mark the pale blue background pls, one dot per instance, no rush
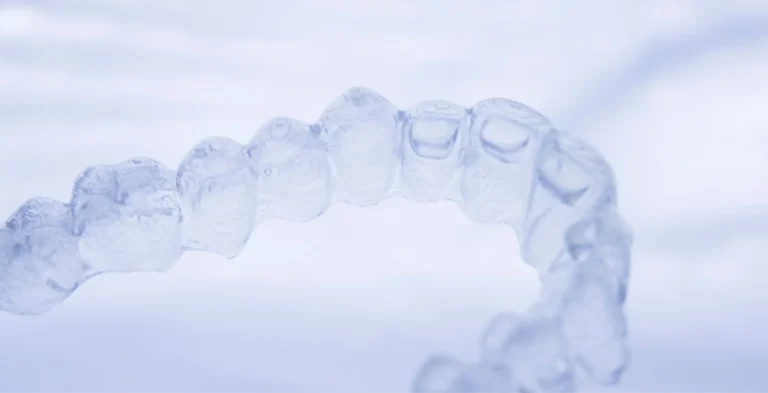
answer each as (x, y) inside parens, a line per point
(673, 92)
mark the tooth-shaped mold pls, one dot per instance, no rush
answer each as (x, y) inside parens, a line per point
(504, 139)
(40, 265)
(295, 178)
(594, 325)
(435, 135)
(500, 161)
(363, 138)
(218, 188)
(444, 374)
(602, 238)
(128, 216)
(533, 349)
(571, 180)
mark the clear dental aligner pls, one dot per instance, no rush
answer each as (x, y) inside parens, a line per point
(500, 161)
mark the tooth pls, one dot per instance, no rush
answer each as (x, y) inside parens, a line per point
(533, 350)
(435, 135)
(504, 137)
(128, 216)
(295, 181)
(571, 179)
(594, 325)
(363, 138)
(218, 190)
(441, 373)
(603, 238)
(40, 265)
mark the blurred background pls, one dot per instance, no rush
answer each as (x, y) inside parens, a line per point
(674, 93)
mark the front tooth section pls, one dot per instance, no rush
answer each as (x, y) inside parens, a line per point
(218, 188)
(504, 139)
(128, 216)
(39, 261)
(363, 138)
(571, 180)
(594, 325)
(533, 349)
(295, 177)
(444, 374)
(435, 135)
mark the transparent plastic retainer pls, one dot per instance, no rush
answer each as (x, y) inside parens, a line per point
(500, 161)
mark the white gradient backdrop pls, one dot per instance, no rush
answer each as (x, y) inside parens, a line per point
(673, 92)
